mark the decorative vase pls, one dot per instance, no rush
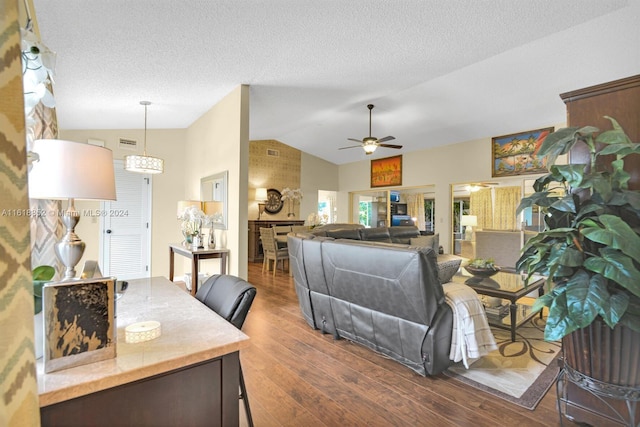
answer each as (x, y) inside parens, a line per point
(212, 239)
(188, 238)
(195, 241)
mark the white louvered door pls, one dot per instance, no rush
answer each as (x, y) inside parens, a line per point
(126, 227)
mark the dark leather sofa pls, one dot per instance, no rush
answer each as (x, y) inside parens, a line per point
(399, 234)
(384, 295)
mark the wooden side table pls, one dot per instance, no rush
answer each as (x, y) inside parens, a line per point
(196, 256)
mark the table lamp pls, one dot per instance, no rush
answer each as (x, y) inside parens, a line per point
(71, 170)
(261, 197)
(469, 221)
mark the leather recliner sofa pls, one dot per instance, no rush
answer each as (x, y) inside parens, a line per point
(385, 296)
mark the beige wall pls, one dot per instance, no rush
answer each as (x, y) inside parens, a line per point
(219, 141)
(167, 189)
(317, 174)
(441, 166)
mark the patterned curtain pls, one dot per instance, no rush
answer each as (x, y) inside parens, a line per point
(18, 387)
(415, 209)
(507, 200)
(481, 205)
(46, 230)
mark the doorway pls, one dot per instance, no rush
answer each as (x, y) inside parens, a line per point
(126, 226)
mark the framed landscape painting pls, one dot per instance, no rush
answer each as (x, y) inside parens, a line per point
(386, 172)
(517, 154)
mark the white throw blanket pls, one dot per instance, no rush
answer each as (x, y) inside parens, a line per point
(471, 338)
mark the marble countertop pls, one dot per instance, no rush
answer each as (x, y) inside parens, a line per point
(191, 333)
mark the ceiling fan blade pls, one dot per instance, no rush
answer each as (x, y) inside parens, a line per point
(390, 146)
(353, 139)
(351, 146)
(387, 138)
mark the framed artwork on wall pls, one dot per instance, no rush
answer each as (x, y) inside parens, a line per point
(79, 322)
(516, 154)
(386, 172)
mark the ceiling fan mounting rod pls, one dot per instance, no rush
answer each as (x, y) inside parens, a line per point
(370, 107)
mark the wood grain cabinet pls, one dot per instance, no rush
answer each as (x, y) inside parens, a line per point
(255, 247)
(619, 99)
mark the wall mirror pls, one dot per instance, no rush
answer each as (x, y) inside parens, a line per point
(213, 188)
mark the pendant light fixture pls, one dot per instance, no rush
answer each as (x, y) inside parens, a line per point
(144, 163)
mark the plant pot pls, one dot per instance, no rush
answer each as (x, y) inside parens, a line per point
(608, 355)
(602, 374)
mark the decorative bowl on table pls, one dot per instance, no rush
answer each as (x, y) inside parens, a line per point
(483, 272)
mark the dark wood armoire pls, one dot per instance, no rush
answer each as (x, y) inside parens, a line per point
(619, 99)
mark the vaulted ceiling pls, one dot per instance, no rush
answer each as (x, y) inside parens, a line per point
(438, 72)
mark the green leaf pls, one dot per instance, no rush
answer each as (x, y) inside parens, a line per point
(572, 173)
(613, 309)
(616, 266)
(43, 272)
(585, 295)
(565, 204)
(558, 143)
(614, 233)
(559, 323)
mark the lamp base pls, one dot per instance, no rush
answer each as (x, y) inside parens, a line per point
(70, 248)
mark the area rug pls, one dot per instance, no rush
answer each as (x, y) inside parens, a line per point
(520, 372)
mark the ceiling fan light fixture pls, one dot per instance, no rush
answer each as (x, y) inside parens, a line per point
(144, 163)
(369, 146)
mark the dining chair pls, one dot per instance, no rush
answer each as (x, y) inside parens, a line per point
(231, 298)
(271, 250)
(281, 232)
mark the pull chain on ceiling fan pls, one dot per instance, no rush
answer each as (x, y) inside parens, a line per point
(370, 143)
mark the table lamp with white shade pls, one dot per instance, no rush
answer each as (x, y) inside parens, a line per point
(73, 171)
(469, 221)
(261, 198)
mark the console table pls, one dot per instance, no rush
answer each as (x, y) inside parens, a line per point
(195, 256)
(189, 375)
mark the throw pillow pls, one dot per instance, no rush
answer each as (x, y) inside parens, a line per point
(448, 266)
(432, 242)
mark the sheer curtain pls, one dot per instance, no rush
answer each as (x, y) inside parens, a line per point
(415, 209)
(481, 205)
(507, 200)
(331, 201)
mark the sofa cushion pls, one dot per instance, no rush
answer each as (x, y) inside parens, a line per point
(377, 234)
(352, 234)
(432, 241)
(448, 266)
(404, 233)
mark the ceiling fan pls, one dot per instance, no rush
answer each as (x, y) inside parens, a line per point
(370, 143)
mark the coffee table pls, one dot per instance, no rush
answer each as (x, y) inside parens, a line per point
(507, 285)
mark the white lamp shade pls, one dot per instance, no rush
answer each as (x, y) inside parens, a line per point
(261, 194)
(212, 207)
(71, 170)
(467, 220)
(184, 204)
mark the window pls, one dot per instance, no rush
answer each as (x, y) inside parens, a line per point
(430, 215)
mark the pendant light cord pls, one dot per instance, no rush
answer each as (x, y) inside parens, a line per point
(146, 104)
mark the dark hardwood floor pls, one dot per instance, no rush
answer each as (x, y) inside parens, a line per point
(296, 376)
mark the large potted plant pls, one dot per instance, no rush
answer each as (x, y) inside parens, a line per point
(590, 253)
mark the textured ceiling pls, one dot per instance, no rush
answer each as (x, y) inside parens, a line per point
(439, 72)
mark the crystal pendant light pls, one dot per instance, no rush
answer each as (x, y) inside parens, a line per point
(144, 163)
